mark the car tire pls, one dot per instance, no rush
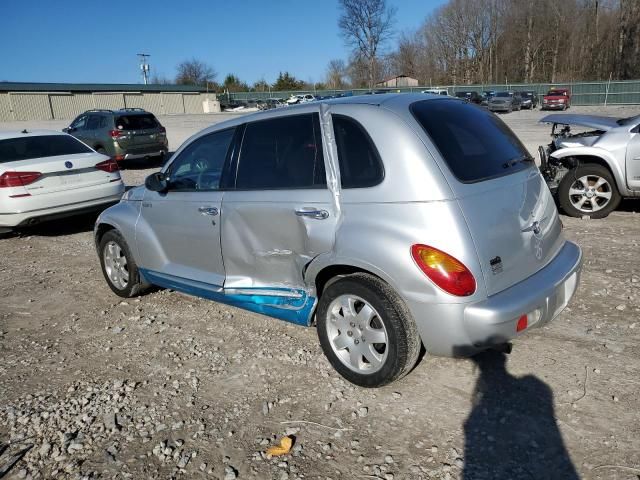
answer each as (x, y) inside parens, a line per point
(386, 319)
(597, 185)
(118, 265)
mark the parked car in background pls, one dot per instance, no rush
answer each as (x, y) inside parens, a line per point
(472, 97)
(557, 99)
(529, 99)
(505, 102)
(486, 96)
(436, 91)
(46, 175)
(457, 246)
(589, 172)
(125, 134)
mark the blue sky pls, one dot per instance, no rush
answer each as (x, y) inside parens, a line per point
(97, 41)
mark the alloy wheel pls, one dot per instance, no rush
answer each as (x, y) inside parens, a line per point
(590, 193)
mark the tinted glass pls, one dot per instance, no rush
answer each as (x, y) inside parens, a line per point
(503, 94)
(360, 164)
(79, 123)
(94, 121)
(199, 166)
(136, 122)
(475, 143)
(282, 153)
(14, 149)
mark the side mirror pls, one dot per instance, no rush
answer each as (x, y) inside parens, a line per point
(67, 129)
(157, 182)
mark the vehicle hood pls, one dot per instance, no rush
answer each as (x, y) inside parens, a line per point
(591, 121)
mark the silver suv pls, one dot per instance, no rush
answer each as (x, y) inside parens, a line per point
(389, 221)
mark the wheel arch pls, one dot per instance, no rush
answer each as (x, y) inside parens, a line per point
(573, 157)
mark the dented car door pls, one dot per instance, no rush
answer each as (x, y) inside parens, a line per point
(279, 215)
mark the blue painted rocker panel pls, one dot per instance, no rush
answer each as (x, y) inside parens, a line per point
(292, 305)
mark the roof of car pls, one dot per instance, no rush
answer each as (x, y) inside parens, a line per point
(9, 134)
(120, 111)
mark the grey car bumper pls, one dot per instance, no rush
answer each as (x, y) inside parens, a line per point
(464, 329)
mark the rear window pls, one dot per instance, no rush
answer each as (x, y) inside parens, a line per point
(475, 143)
(25, 148)
(136, 122)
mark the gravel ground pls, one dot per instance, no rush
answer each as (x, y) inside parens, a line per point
(171, 386)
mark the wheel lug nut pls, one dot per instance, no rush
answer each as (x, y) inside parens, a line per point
(353, 325)
(349, 333)
(356, 341)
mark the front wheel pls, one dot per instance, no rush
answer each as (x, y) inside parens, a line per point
(118, 266)
(588, 190)
(366, 331)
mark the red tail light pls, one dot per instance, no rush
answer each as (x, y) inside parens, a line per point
(163, 130)
(18, 179)
(523, 323)
(445, 271)
(116, 133)
(109, 166)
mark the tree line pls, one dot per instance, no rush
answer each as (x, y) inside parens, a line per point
(468, 42)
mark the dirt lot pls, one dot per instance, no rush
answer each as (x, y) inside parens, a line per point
(167, 385)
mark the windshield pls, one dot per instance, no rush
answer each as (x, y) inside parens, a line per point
(527, 94)
(504, 94)
(25, 148)
(463, 94)
(555, 93)
(475, 143)
(628, 121)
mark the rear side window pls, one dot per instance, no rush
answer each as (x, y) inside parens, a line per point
(360, 164)
(475, 143)
(25, 148)
(282, 153)
(136, 122)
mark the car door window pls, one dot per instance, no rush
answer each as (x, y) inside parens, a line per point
(79, 123)
(199, 166)
(360, 164)
(93, 122)
(282, 153)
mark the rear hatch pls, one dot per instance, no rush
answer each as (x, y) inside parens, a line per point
(508, 208)
(139, 131)
(52, 163)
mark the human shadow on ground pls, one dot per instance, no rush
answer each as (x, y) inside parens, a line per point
(511, 432)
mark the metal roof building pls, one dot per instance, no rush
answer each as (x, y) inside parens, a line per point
(47, 101)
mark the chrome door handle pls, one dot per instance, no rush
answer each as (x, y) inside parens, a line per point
(213, 211)
(312, 213)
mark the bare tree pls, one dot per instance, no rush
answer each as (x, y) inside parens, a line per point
(366, 25)
(336, 74)
(195, 72)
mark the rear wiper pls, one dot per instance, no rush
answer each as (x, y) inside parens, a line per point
(514, 161)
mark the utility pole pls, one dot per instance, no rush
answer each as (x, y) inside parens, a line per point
(144, 66)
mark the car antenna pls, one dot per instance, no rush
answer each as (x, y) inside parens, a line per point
(24, 131)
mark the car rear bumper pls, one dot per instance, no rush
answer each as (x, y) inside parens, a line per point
(465, 329)
(500, 108)
(29, 210)
(154, 153)
(553, 106)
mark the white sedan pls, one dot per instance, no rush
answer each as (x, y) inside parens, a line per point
(46, 174)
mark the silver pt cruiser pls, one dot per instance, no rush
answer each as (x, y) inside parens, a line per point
(388, 221)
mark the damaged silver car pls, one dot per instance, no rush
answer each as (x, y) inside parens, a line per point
(388, 221)
(591, 170)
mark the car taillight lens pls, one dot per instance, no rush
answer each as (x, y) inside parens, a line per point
(116, 133)
(445, 271)
(163, 130)
(18, 179)
(108, 166)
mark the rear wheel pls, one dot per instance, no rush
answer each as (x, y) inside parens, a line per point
(118, 265)
(588, 190)
(366, 331)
